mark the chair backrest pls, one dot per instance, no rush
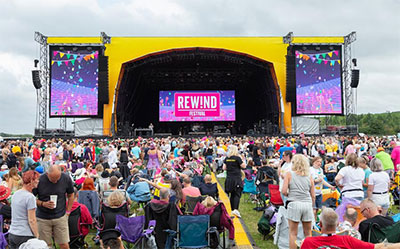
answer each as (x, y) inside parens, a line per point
(191, 203)
(250, 186)
(192, 231)
(275, 195)
(109, 214)
(73, 223)
(107, 193)
(131, 228)
(378, 234)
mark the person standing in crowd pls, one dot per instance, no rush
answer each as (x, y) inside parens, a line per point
(284, 167)
(14, 180)
(387, 162)
(396, 155)
(378, 185)
(23, 212)
(362, 163)
(351, 178)
(317, 175)
(154, 160)
(135, 151)
(52, 214)
(298, 186)
(233, 164)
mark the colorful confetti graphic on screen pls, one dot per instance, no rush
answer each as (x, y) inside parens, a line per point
(318, 82)
(74, 83)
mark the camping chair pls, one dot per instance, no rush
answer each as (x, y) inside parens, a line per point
(192, 231)
(250, 188)
(132, 229)
(275, 195)
(391, 234)
(191, 203)
(107, 219)
(77, 239)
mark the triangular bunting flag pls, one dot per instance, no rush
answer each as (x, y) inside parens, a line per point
(58, 63)
(323, 56)
(313, 58)
(317, 56)
(55, 53)
(96, 54)
(336, 52)
(75, 55)
(319, 61)
(330, 54)
(332, 63)
(52, 62)
(68, 55)
(338, 61)
(61, 55)
(326, 62)
(301, 55)
(92, 56)
(73, 62)
(66, 63)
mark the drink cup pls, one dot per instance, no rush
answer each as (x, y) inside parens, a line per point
(53, 198)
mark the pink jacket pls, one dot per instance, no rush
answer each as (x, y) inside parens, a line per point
(225, 219)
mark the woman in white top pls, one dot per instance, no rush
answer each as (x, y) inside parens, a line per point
(378, 185)
(350, 179)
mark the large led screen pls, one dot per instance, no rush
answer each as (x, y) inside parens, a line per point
(197, 106)
(318, 82)
(74, 82)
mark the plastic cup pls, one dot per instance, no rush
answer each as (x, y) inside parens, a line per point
(53, 198)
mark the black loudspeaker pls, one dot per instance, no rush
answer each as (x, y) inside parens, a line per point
(103, 80)
(36, 79)
(355, 77)
(290, 78)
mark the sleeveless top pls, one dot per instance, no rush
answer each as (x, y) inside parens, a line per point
(299, 188)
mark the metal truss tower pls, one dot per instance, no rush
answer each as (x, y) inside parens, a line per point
(44, 78)
(349, 92)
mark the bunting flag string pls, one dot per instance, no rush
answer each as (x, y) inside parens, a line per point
(320, 57)
(73, 57)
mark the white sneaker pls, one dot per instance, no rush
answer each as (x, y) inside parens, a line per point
(236, 213)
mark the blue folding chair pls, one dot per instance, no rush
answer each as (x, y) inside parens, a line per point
(192, 231)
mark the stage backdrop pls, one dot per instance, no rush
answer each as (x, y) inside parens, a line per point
(123, 49)
(197, 106)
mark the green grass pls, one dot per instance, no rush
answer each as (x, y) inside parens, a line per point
(250, 218)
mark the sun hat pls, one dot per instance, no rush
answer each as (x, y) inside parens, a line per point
(4, 192)
(4, 166)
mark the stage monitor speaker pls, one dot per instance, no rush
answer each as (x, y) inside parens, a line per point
(36, 79)
(355, 77)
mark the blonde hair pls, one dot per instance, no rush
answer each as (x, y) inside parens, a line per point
(209, 202)
(351, 160)
(116, 199)
(233, 151)
(301, 165)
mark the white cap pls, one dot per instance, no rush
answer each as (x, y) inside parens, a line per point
(114, 166)
(4, 166)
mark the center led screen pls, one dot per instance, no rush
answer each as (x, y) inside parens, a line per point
(74, 82)
(318, 82)
(197, 106)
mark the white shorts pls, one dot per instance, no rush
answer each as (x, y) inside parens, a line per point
(298, 211)
(381, 200)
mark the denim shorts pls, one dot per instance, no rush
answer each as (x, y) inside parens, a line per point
(318, 202)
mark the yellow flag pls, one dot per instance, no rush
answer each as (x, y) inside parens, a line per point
(52, 62)
(61, 55)
(330, 54)
(338, 61)
(92, 55)
(301, 55)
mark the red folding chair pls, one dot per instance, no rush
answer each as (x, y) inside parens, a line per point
(274, 195)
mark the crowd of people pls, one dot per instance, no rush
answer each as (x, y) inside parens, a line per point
(43, 181)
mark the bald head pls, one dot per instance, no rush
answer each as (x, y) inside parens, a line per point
(54, 173)
(207, 178)
(164, 194)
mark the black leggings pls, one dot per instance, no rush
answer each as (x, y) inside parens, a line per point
(234, 198)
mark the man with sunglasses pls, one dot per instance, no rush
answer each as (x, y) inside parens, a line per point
(371, 212)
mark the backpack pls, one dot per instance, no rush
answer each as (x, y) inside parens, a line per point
(213, 236)
(11, 160)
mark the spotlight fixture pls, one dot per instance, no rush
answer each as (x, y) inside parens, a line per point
(330, 47)
(74, 49)
(35, 62)
(318, 48)
(304, 48)
(89, 48)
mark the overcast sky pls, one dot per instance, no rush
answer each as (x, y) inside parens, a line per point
(377, 48)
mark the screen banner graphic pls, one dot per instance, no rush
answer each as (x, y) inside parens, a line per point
(318, 82)
(197, 106)
(74, 83)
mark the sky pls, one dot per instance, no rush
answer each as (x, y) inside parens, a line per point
(377, 48)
